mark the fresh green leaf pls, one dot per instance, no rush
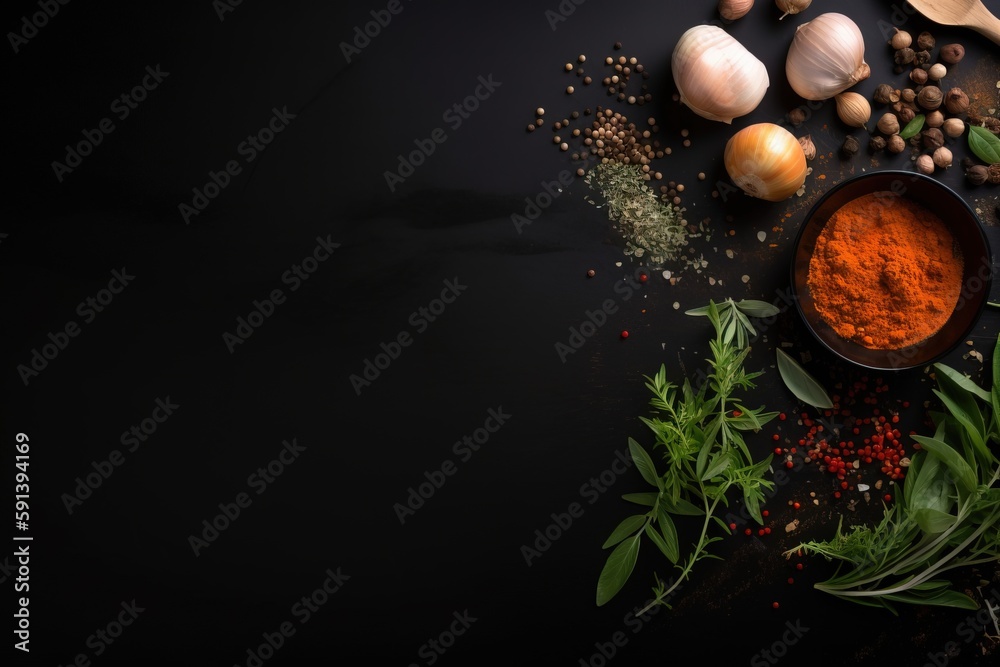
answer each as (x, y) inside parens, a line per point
(755, 308)
(963, 381)
(617, 569)
(643, 462)
(718, 466)
(933, 521)
(628, 526)
(962, 473)
(682, 507)
(913, 128)
(984, 144)
(801, 383)
(646, 498)
(671, 544)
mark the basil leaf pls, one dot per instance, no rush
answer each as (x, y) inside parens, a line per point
(801, 383)
(913, 127)
(984, 144)
(617, 569)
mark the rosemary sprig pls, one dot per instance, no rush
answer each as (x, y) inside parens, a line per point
(699, 436)
(946, 517)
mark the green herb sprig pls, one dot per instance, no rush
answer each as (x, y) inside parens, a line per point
(947, 515)
(699, 436)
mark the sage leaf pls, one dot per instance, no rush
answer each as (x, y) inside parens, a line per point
(913, 127)
(755, 308)
(628, 526)
(646, 498)
(963, 381)
(617, 569)
(671, 545)
(801, 383)
(984, 144)
(642, 461)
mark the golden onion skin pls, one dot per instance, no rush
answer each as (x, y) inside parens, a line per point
(766, 161)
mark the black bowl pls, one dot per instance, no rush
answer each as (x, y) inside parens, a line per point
(971, 242)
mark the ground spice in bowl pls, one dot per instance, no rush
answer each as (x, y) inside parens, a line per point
(885, 272)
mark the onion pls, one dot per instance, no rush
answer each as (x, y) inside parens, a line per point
(826, 57)
(766, 161)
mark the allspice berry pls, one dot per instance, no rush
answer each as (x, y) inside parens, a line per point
(952, 53)
(953, 127)
(918, 76)
(978, 174)
(925, 164)
(925, 41)
(895, 144)
(932, 138)
(942, 157)
(904, 56)
(930, 97)
(956, 101)
(888, 123)
(936, 72)
(850, 147)
(900, 39)
(885, 94)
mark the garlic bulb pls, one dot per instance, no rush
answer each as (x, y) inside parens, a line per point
(731, 10)
(826, 57)
(766, 161)
(716, 76)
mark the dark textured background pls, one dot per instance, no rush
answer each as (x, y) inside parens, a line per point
(493, 348)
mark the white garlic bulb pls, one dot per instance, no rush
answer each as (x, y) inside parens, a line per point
(716, 76)
(826, 57)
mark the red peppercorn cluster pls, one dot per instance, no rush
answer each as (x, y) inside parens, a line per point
(854, 432)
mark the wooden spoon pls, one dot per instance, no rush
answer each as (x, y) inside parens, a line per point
(963, 13)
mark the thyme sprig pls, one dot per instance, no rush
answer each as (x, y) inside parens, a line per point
(703, 455)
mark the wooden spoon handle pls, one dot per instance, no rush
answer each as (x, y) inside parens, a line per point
(986, 24)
